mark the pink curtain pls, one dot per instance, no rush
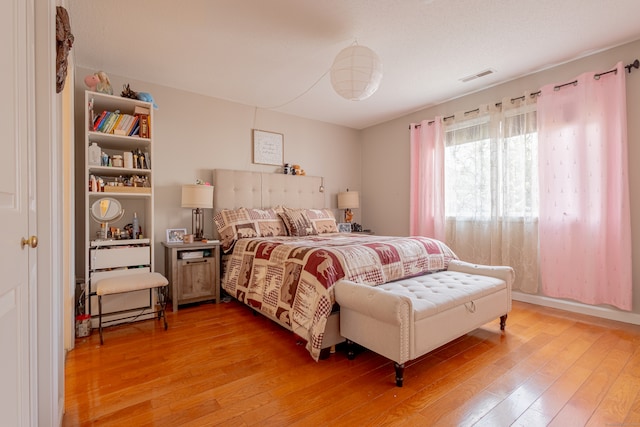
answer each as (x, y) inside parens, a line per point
(585, 227)
(427, 179)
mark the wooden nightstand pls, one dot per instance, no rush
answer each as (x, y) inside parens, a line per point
(193, 270)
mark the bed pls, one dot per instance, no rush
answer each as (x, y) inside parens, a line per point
(282, 252)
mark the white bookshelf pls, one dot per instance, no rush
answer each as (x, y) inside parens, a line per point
(116, 255)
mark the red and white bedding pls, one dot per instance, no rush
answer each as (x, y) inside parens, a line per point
(291, 278)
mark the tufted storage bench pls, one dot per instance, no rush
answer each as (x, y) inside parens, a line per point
(408, 318)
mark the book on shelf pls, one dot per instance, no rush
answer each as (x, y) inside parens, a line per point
(144, 126)
(118, 124)
(117, 129)
(115, 123)
(99, 120)
(132, 126)
(135, 129)
(140, 110)
(113, 118)
(103, 123)
(122, 127)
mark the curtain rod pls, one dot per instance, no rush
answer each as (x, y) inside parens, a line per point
(635, 64)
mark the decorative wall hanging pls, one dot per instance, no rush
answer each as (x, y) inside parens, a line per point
(64, 41)
(268, 147)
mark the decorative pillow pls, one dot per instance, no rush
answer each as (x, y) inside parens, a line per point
(234, 224)
(323, 220)
(298, 223)
(267, 222)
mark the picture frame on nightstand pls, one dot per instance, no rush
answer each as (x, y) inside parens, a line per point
(176, 235)
(344, 227)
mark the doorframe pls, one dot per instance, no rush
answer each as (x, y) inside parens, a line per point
(47, 360)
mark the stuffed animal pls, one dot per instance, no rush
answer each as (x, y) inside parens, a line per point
(297, 170)
(91, 81)
(128, 93)
(146, 97)
(99, 82)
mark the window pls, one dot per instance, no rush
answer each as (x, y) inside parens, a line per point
(491, 167)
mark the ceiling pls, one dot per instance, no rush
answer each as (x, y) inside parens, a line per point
(276, 54)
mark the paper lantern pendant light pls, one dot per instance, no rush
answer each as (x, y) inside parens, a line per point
(356, 73)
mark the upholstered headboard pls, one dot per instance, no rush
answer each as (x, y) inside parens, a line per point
(235, 189)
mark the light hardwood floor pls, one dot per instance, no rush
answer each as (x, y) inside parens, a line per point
(218, 364)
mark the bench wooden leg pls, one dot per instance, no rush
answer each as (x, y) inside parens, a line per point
(399, 373)
(325, 353)
(351, 350)
(503, 322)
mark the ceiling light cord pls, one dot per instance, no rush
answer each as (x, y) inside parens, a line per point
(299, 96)
(355, 75)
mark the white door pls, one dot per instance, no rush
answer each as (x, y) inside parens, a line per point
(16, 337)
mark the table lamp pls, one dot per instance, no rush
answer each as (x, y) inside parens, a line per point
(197, 197)
(348, 200)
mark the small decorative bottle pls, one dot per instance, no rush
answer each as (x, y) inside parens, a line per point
(95, 154)
(136, 228)
(93, 184)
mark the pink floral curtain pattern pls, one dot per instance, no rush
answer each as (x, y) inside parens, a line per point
(427, 186)
(584, 224)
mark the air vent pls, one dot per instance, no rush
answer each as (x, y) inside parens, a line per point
(477, 75)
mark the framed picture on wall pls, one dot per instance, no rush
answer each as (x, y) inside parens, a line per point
(268, 147)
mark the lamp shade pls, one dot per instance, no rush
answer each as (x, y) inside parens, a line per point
(348, 200)
(197, 196)
(356, 73)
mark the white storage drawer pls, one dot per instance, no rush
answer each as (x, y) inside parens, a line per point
(114, 257)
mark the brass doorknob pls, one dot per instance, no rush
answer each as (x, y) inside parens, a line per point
(31, 241)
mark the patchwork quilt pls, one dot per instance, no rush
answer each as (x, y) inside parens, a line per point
(291, 279)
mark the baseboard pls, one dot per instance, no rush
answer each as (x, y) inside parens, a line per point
(576, 307)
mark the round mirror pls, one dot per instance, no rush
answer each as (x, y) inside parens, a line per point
(106, 209)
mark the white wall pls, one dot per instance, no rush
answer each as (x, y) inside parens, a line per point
(194, 134)
(386, 146)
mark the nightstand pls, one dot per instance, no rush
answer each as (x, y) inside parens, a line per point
(193, 270)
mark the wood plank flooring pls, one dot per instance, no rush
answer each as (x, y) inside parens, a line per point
(219, 364)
